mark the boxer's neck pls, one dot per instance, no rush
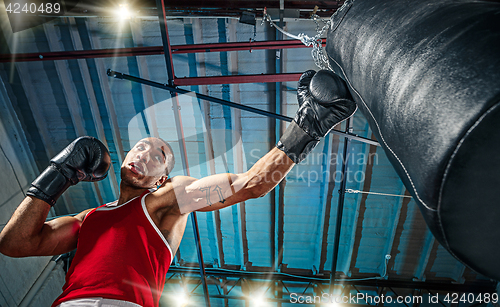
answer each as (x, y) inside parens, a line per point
(128, 192)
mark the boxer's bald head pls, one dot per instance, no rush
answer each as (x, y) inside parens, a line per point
(148, 163)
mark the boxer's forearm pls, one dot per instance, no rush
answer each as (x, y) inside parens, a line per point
(261, 178)
(268, 172)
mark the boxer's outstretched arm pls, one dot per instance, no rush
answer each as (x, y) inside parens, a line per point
(27, 233)
(222, 190)
(324, 101)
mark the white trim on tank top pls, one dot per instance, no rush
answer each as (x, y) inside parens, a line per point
(113, 206)
(143, 203)
(97, 302)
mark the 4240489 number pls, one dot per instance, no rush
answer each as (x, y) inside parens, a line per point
(34, 8)
(471, 298)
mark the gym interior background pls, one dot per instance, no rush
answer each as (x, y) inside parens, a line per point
(342, 223)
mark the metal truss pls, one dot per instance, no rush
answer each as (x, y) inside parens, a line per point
(278, 288)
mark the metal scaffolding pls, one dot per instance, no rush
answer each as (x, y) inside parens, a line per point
(284, 288)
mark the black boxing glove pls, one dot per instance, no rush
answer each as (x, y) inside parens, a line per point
(324, 101)
(85, 159)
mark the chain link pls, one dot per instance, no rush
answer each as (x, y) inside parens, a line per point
(318, 53)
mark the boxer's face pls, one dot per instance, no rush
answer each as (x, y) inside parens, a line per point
(145, 164)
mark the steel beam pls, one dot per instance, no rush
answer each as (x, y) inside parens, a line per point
(160, 4)
(333, 147)
(427, 248)
(326, 203)
(479, 286)
(237, 141)
(460, 270)
(119, 75)
(354, 236)
(398, 221)
(252, 4)
(237, 79)
(277, 194)
(144, 51)
(167, 51)
(80, 54)
(240, 46)
(208, 139)
(340, 209)
(268, 300)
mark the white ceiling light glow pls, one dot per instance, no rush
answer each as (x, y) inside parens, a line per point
(124, 11)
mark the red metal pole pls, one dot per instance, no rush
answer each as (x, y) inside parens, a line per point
(167, 50)
(180, 133)
(155, 50)
(237, 79)
(239, 46)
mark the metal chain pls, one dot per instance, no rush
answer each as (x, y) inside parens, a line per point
(317, 52)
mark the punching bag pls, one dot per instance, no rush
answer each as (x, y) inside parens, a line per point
(426, 75)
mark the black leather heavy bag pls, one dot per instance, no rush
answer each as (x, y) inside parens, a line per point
(426, 75)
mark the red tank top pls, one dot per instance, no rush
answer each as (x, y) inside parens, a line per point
(121, 255)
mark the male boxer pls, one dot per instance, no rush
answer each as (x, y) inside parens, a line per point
(125, 248)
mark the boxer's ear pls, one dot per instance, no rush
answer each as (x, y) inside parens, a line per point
(161, 181)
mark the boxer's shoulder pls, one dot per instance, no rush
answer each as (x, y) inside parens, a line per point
(167, 196)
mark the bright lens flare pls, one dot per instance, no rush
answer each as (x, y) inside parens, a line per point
(123, 11)
(182, 299)
(257, 301)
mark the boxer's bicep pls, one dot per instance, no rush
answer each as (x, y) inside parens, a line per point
(60, 235)
(212, 192)
(29, 234)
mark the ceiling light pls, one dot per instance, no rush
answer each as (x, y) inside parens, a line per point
(182, 299)
(257, 301)
(123, 11)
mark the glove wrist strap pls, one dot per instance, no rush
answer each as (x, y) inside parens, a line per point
(49, 186)
(296, 143)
